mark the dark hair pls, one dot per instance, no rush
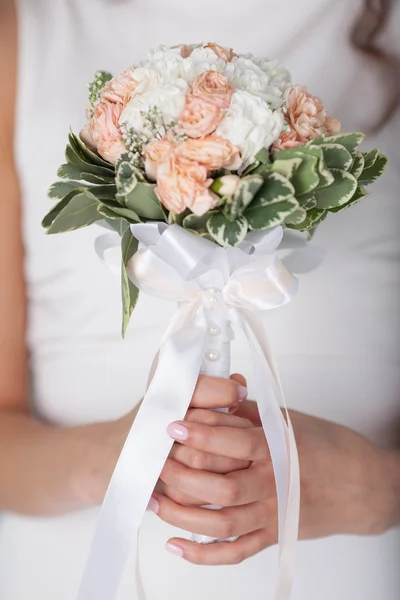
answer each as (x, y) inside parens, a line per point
(370, 24)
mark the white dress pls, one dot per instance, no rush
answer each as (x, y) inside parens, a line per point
(337, 344)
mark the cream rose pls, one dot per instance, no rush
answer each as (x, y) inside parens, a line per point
(213, 87)
(155, 152)
(184, 184)
(250, 124)
(306, 118)
(199, 118)
(102, 132)
(211, 151)
(244, 74)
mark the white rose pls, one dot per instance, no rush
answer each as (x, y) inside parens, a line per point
(244, 74)
(169, 99)
(278, 75)
(250, 124)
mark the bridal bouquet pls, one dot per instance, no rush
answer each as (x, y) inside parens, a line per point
(198, 158)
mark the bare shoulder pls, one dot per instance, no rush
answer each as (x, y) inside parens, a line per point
(13, 364)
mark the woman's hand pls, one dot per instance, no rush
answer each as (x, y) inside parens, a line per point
(348, 486)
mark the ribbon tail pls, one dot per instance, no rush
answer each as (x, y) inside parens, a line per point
(143, 456)
(282, 446)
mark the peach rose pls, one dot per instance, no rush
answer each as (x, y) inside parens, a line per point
(306, 118)
(211, 151)
(213, 87)
(184, 184)
(102, 132)
(199, 118)
(120, 88)
(155, 152)
(225, 53)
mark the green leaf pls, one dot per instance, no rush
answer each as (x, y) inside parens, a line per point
(57, 208)
(104, 192)
(59, 189)
(118, 224)
(370, 157)
(340, 192)
(112, 210)
(336, 156)
(287, 166)
(358, 165)
(296, 217)
(358, 195)
(313, 218)
(196, 223)
(125, 180)
(70, 171)
(174, 219)
(350, 141)
(130, 292)
(307, 201)
(80, 211)
(274, 189)
(225, 232)
(87, 154)
(263, 156)
(251, 168)
(306, 177)
(244, 194)
(143, 200)
(271, 214)
(371, 174)
(74, 158)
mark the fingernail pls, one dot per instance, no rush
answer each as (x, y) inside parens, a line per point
(178, 432)
(243, 393)
(153, 505)
(174, 549)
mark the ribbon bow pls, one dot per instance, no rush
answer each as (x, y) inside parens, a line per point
(175, 264)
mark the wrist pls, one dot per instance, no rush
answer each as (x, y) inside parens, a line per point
(385, 491)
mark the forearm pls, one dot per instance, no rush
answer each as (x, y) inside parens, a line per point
(49, 470)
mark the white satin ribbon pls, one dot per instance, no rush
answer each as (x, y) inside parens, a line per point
(174, 264)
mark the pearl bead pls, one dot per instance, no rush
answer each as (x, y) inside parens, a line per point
(213, 355)
(214, 329)
(212, 297)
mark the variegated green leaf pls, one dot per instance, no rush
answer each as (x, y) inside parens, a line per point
(370, 174)
(271, 214)
(274, 189)
(225, 232)
(336, 156)
(370, 157)
(80, 211)
(337, 194)
(244, 194)
(358, 195)
(306, 177)
(296, 217)
(130, 292)
(70, 171)
(263, 156)
(350, 141)
(313, 218)
(196, 223)
(358, 165)
(286, 167)
(307, 201)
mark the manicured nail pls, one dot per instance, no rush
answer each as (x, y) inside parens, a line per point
(243, 393)
(153, 505)
(174, 549)
(178, 432)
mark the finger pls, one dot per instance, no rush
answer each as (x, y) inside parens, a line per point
(223, 553)
(177, 496)
(239, 379)
(213, 392)
(245, 444)
(196, 459)
(247, 410)
(220, 524)
(234, 489)
(216, 418)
